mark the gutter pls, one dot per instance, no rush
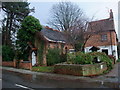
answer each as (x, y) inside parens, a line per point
(53, 40)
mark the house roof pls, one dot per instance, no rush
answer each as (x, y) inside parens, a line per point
(53, 35)
(102, 25)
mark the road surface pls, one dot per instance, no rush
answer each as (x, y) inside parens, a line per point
(12, 79)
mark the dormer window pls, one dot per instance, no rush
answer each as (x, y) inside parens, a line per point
(104, 37)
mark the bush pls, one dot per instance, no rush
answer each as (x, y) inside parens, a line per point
(7, 53)
(103, 57)
(88, 58)
(71, 58)
(82, 58)
(118, 60)
(63, 57)
(79, 58)
(53, 56)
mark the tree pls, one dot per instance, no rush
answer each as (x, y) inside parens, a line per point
(68, 17)
(15, 12)
(26, 33)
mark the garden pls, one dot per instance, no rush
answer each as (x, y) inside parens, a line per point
(89, 58)
(92, 63)
(26, 34)
(58, 62)
(85, 64)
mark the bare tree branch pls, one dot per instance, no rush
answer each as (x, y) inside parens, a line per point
(68, 17)
(65, 15)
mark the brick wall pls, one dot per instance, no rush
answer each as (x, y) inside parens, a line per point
(80, 70)
(58, 45)
(69, 46)
(22, 64)
(95, 39)
(1, 60)
(25, 65)
(8, 63)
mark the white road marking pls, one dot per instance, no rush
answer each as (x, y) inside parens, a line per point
(23, 86)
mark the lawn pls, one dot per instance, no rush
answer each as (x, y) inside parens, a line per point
(43, 69)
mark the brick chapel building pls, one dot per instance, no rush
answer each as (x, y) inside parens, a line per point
(52, 39)
(103, 37)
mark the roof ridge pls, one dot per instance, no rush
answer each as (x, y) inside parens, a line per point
(51, 29)
(99, 20)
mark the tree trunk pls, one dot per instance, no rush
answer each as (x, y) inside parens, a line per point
(6, 31)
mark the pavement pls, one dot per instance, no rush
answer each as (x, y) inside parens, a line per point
(114, 72)
(112, 76)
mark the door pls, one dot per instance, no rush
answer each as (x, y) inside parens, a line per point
(33, 59)
(105, 51)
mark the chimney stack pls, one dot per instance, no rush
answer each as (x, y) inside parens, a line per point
(111, 14)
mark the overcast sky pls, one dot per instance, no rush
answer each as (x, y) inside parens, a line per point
(97, 8)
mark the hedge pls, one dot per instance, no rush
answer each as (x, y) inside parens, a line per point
(7, 53)
(54, 56)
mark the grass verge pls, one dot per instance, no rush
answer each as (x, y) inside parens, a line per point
(43, 69)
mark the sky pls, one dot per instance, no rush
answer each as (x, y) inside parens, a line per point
(98, 9)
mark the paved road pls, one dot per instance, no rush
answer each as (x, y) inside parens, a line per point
(19, 80)
(32, 81)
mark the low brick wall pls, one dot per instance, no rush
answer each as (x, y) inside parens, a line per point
(80, 70)
(8, 63)
(1, 60)
(22, 64)
(25, 65)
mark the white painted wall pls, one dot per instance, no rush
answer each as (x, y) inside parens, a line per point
(105, 47)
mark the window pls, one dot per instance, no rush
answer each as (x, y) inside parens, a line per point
(104, 37)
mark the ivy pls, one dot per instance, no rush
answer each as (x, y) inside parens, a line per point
(40, 52)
